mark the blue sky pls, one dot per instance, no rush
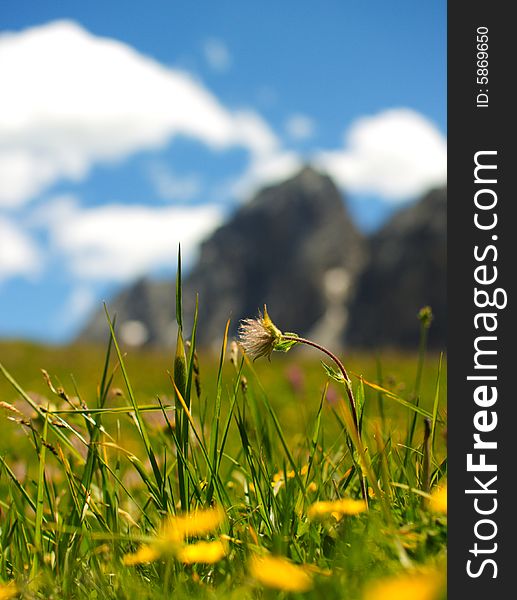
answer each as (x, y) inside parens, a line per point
(126, 128)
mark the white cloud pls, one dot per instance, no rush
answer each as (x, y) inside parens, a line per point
(116, 242)
(269, 162)
(265, 170)
(71, 99)
(217, 54)
(252, 133)
(299, 127)
(171, 186)
(18, 254)
(397, 154)
(23, 175)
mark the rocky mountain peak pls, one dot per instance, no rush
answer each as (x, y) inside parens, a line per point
(294, 247)
(406, 270)
(291, 247)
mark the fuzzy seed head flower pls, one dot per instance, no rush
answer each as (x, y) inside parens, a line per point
(280, 574)
(259, 336)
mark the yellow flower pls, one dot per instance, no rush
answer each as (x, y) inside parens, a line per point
(144, 554)
(312, 486)
(415, 586)
(290, 474)
(202, 552)
(199, 522)
(280, 476)
(336, 508)
(171, 539)
(280, 574)
(8, 590)
(438, 500)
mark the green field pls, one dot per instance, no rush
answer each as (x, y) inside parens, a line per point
(99, 472)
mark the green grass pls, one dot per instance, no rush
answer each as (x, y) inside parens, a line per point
(94, 463)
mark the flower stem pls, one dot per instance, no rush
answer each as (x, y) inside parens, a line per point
(348, 387)
(341, 367)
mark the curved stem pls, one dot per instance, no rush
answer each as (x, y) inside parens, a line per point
(341, 367)
(349, 392)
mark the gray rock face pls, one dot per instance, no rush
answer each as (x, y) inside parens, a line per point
(145, 315)
(407, 270)
(294, 248)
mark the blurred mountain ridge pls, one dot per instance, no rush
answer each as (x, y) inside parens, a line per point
(295, 248)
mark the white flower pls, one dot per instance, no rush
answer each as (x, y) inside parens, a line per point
(260, 336)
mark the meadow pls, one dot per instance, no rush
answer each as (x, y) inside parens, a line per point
(149, 474)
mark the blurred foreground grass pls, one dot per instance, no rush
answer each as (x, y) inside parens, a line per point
(85, 500)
